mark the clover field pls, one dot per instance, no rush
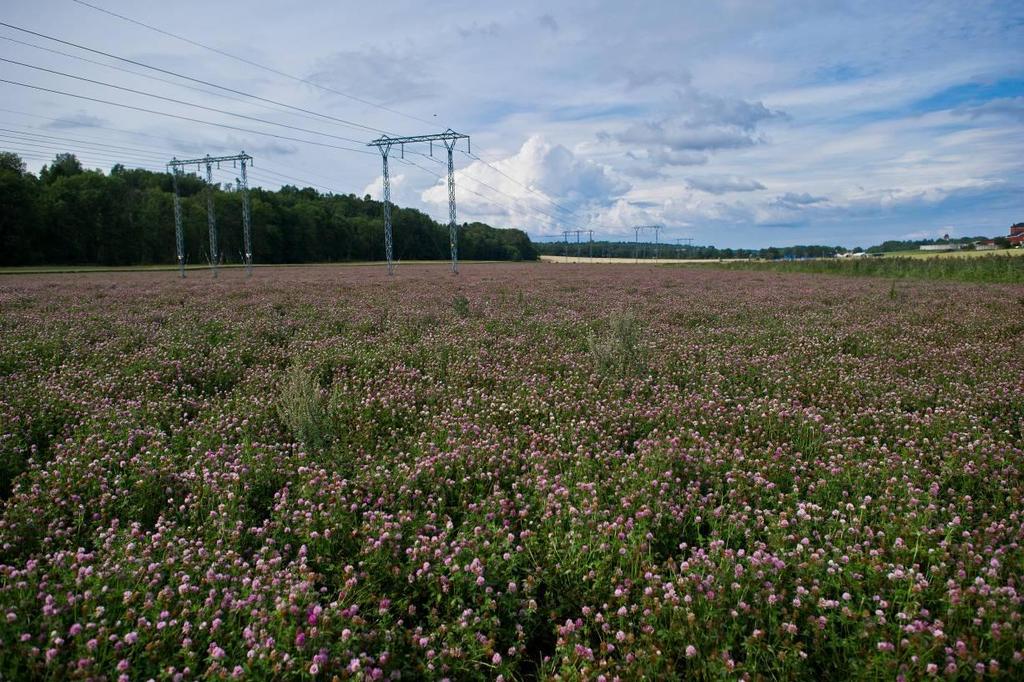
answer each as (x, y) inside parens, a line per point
(524, 472)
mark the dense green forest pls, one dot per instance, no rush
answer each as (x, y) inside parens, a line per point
(70, 216)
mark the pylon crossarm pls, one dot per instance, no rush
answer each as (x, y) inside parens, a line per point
(210, 159)
(446, 137)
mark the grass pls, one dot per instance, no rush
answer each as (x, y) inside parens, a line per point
(301, 407)
(625, 261)
(953, 254)
(989, 269)
(617, 351)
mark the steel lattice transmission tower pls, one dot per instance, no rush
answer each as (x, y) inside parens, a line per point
(179, 238)
(211, 218)
(637, 228)
(175, 166)
(242, 185)
(246, 217)
(689, 243)
(578, 233)
(449, 138)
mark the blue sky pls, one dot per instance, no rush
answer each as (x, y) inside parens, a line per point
(734, 123)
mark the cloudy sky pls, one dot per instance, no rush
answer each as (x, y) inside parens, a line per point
(734, 123)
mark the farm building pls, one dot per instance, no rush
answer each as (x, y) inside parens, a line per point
(941, 247)
(1017, 234)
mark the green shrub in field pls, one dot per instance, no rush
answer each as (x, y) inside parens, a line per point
(617, 351)
(301, 407)
(460, 304)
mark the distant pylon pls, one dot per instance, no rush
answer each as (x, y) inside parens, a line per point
(637, 228)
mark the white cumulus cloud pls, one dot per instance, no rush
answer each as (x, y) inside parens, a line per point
(543, 187)
(720, 184)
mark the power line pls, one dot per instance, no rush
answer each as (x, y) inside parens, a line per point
(524, 186)
(47, 156)
(177, 101)
(46, 144)
(51, 142)
(45, 153)
(162, 155)
(495, 189)
(214, 85)
(161, 138)
(289, 177)
(205, 91)
(185, 118)
(85, 140)
(113, 157)
(89, 155)
(278, 163)
(256, 64)
(489, 200)
(81, 148)
(188, 78)
(426, 170)
(7, 132)
(479, 182)
(513, 198)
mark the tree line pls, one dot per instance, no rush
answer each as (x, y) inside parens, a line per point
(966, 243)
(609, 249)
(69, 215)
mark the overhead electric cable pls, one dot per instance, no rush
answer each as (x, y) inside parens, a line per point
(190, 78)
(485, 198)
(83, 156)
(524, 186)
(69, 146)
(178, 101)
(186, 118)
(185, 103)
(90, 125)
(162, 139)
(21, 133)
(502, 192)
(464, 174)
(214, 85)
(206, 90)
(314, 185)
(257, 65)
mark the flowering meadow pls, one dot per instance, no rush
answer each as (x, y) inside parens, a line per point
(524, 472)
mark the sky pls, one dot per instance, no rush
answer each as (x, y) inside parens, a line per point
(734, 123)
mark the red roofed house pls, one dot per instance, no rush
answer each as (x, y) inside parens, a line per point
(1017, 234)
